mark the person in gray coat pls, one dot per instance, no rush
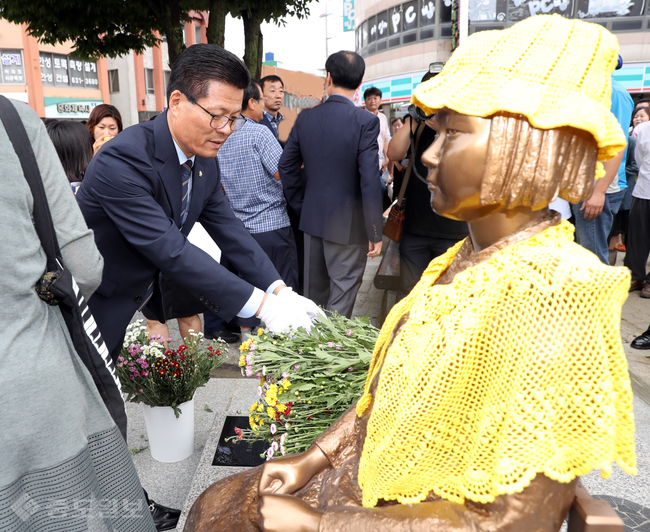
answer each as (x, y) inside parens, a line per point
(65, 465)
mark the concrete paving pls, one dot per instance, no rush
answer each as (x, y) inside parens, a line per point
(179, 484)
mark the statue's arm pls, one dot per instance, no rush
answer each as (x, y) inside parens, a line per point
(290, 473)
(541, 507)
(339, 440)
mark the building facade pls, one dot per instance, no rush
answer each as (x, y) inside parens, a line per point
(47, 78)
(399, 39)
(57, 85)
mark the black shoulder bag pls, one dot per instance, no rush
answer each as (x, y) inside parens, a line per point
(57, 285)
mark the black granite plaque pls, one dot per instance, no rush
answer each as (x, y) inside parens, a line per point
(238, 453)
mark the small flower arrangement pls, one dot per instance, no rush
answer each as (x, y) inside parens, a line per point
(156, 376)
(306, 380)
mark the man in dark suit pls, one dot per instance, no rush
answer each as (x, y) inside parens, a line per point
(146, 188)
(339, 199)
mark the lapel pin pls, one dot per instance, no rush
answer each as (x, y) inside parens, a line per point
(200, 173)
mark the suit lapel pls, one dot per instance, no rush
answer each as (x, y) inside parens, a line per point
(168, 168)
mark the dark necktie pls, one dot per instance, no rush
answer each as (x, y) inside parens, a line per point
(186, 171)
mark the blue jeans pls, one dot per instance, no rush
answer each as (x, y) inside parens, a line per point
(593, 234)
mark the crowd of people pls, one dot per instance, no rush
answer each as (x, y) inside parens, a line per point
(295, 223)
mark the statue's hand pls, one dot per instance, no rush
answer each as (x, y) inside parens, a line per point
(290, 473)
(284, 513)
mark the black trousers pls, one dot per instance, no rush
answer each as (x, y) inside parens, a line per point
(638, 239)
(280, 246)
(416, 252)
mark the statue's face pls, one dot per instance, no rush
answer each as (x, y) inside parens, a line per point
(456, 162)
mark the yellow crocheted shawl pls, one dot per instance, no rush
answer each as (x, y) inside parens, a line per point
(514, 369)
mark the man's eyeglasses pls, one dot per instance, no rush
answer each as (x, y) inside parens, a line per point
(220, 121)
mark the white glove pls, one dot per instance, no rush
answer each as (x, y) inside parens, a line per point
(311, 308)
(281, 315)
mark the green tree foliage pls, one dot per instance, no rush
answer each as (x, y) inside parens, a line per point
(102, 27)
(115, 27)
(253, 13)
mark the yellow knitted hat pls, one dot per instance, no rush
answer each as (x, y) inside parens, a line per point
(556, 72)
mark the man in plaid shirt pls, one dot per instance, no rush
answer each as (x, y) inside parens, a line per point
(248, 161)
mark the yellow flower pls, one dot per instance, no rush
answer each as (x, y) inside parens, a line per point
(242, 360)
(260, 331)
(260, 407)
(262, 381)
(254, 406)
(273, 389)
(245, 345)
(271, 398)
(285, 384)
(251, 422)
(281, 408)
(271, 413)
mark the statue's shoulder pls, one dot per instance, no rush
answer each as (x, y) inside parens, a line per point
(556, 263)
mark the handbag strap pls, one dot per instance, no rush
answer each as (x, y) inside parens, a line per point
(22, 146)
(407, 174)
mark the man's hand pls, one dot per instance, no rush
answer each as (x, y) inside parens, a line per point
(281, 315)
(284, 513)
(374, 249)
(594, 205)
(311, 308)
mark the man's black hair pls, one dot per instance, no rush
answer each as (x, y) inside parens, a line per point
(200, 64)
(644, 100)
(254, 90)
(395, 119)
(272, 78)
(371, 91)
(346, 68)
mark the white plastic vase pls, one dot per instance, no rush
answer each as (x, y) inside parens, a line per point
(171, 439)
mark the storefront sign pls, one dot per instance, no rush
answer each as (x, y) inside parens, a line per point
(348, 15)
(69, 107)
(521, 9)
(394, 88)
(587, 9)
(63, 71)
(635, 77)
(13, 69)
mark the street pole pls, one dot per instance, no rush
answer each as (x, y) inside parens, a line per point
(325, 15)
(326, 43)
(463, 20)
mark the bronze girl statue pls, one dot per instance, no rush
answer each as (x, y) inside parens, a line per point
(501, 378)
